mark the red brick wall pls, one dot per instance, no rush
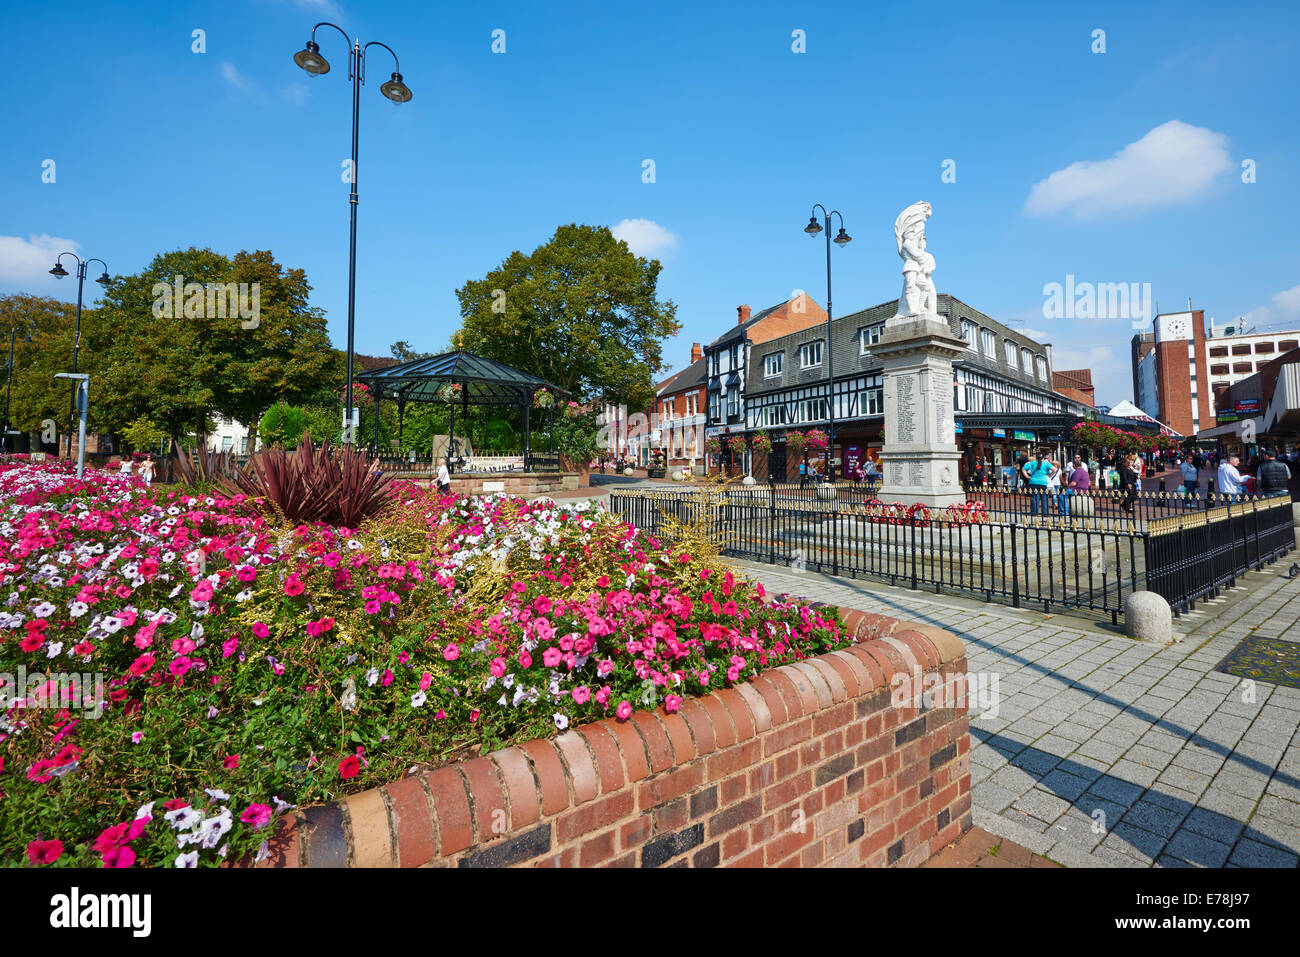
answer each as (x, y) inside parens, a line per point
(808, 765)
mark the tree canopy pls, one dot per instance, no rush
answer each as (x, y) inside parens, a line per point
(581, 311)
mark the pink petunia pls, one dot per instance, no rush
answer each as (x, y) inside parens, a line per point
(624, 710)
(387, 679)
(44, 852)
(552, 657)
(141, 665)
(426, 679)
(260, 629)
(258, 815)
(498, 667)
(451, 652)
(350, 767)
(581, 694)
(229, 647)
(231, 762)
(672, 703)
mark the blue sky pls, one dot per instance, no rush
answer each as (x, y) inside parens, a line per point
(158, 147)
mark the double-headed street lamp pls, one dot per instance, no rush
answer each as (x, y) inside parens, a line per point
(58, 272)
(310, 59)
(841, 239)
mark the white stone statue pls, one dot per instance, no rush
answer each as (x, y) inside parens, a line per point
(919, 297)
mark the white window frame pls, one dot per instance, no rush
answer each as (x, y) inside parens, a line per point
(1010, 354)
(970, 332)
(772, 364)
(806, 350)
(1040, 363)
(869, 336)
(990, 343)
(1027, 361)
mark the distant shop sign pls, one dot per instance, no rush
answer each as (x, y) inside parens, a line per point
(999, 433)
(1246, 405)
(1022, 436)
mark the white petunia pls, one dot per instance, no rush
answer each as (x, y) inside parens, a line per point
(372, 676)
(78, 608)
(418, 699)
(561, 720)
(53, 649)
(188, 860)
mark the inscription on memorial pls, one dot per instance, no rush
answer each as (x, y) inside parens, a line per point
(905, 408)
(895, 473)
(915, 473)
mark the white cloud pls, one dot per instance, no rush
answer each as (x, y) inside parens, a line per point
(1038, 335)
(234, 77)
(1171, 163)
(295, 93)
(645, 237)
(1283, 308)
(327, 8)
(26, 260)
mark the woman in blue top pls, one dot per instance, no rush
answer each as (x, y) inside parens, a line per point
(1037, 474)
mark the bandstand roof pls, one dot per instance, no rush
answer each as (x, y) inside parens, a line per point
(485, 381)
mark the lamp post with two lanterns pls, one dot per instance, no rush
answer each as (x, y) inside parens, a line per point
(841, 239)
(58, 272)
(310, 59)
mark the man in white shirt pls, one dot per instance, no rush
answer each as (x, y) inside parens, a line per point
(1231, 482)
(444, 477)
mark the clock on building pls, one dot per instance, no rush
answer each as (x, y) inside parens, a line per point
(1173, 328)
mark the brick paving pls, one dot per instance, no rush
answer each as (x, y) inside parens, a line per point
(978, 848)
(1103, 751)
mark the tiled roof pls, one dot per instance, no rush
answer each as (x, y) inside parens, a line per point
(690, 377)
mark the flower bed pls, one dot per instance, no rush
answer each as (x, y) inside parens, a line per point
(247, 668)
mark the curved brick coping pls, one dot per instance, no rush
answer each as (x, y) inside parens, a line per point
(807, 764)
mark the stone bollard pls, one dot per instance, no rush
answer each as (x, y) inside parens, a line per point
(1148, 617)
(1082, 506)
(1295, 521)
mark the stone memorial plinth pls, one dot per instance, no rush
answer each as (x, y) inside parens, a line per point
(919, 457)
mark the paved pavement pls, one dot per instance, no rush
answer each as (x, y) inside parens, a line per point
(1103, 751)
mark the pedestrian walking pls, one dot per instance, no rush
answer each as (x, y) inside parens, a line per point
(444, 477)
(1035, 475)
(146, 469)
(1274, 476)
(1231, 483)
(1128, 480)
(1191, 482)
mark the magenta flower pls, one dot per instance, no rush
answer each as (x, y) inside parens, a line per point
(451, 652)
(624, 710)
(258, 815)
(260, 629)
(44, 852)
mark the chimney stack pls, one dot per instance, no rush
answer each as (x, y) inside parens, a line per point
(742, 315)
(696, 352)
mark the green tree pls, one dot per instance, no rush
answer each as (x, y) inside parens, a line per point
(581, 311)
(180, 365)
(43, 346)
(143, 434)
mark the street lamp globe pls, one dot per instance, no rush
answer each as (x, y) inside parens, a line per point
(58, 272)
(310, 59)
(106, 282)
(396, 90)
(843, 238)
(813, 227)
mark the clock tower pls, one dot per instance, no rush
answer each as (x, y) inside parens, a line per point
(1182, 375)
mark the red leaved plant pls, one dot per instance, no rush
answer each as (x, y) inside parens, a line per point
(339, 486)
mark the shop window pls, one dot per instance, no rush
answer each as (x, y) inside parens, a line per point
(1241, 367)
(1264, 348)
(1241, 350)
(1219, 369)
(1219, 352)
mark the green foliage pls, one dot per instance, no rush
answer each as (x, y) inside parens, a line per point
(581, 311)
(576, 434)
(143, 434)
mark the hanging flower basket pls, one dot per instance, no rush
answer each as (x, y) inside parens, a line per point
(713, 446)
(736, 444)
(796, 442)
(542, 399)
(450, 391)
(760, 442)
(817, 439)
(360, 395)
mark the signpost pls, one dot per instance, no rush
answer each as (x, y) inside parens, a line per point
(83, 399)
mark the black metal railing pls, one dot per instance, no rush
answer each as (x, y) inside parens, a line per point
(1021, 561)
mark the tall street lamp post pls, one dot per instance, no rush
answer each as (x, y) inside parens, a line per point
(310, 59)
(841, 239)
(58, 272)
(9, 386)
